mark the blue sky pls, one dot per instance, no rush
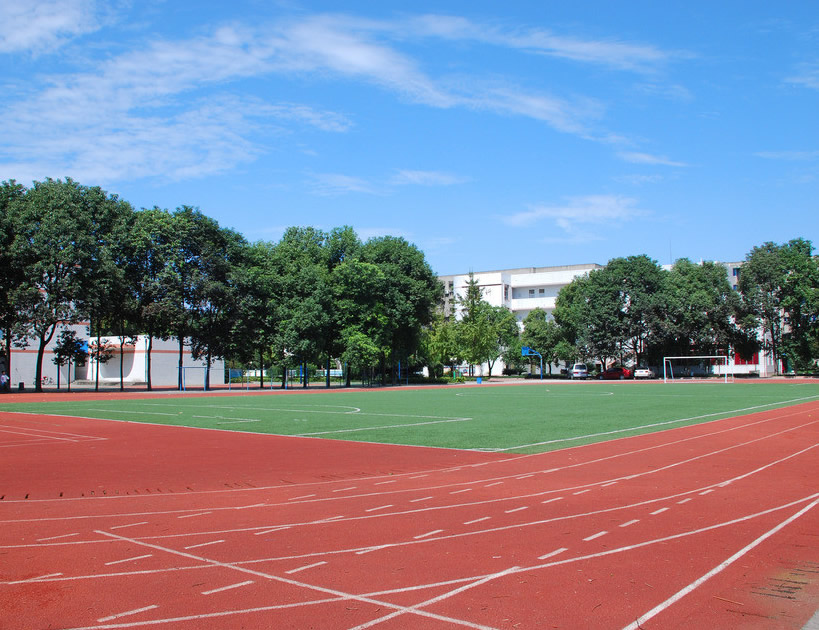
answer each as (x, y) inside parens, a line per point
(491, 135)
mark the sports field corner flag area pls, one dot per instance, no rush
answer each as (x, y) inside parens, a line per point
(537, 505)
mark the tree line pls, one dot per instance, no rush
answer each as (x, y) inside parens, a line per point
(71, 253)
(635, 311)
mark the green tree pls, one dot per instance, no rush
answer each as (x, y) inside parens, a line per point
(474, 331)
(779, 283)
(15, 292)
(411, 294)
(67, 350)
(55, 243)
(505, 334)
(542, 334)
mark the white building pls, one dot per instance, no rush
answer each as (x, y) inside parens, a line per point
(164, 362)
(525, 289)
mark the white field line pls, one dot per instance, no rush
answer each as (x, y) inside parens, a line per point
(717, 569)
(58, 537)
(127, 614)
(511, 458)
(383, 426)
(305, 567)
(227, 588)
(486, 502)
(597, 535)
(730, 412)
(311, 587)
(369, 597)
(629, 523)
(45, 433)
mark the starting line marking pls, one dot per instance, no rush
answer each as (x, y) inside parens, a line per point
(631, 522)
(597, 535)
(305, 567)
(193, 515)
(477, 520)
(660, 511)
(552, 553)
(227, 588)
(432, 533)
(129, 559)
(128, 525)
(421, 499)
(212, 542)
(56, 537)
(125, 614)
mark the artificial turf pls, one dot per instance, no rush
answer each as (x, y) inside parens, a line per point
(516, 418)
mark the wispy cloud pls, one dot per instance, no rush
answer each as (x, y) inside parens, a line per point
(41, 26)
(332, 184)
(578, 214)
(426, 178)
(806, 76)
(606, 52)
(647, 158)
(791, 156)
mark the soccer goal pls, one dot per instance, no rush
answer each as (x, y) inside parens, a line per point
(697, 367)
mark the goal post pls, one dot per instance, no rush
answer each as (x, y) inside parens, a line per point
(699, 366)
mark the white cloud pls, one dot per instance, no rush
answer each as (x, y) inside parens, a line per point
(808, 76)
(792, 156)
(331, 184)
(647, 158)
(591, 210)
(607, 52)
(36, 26)
(426, 178)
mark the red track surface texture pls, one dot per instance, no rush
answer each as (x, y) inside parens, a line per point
(117, 525)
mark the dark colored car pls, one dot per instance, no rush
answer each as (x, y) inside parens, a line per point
(617, 373)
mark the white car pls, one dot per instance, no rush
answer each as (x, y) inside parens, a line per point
(579, 370)
(643, 373)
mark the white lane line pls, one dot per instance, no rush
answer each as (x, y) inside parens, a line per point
(34, 579)
(477, 520)
(552, 500)
(460, 491)
(125, 614)
(212, 542)
(129, 559)
(489, 485)
(631, 522)
(680, 502)
(361, 552)
(380, 507)
(610, 483)
(432, 533)
(706, 491)
(227, 588)
(582, 491)
(382, 483)
(129, 525)
(597, 535)
(345, 489)
(517, 509)
(717, 569)
(255, 505)
(194, 515)
(305, 567)
(305, 496)
(421, 499)
(525, 476)
(552, 553)
(57, 537)
(660, 511)
(270, 531)
(330, 519)
(419, 476)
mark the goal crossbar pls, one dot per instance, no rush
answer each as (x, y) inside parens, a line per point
(668, 368)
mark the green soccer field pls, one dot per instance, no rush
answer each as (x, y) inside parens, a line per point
(516, 418)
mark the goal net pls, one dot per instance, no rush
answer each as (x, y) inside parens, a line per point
(710, 366)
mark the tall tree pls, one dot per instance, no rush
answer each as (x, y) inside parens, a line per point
(542, 334)
(411, 294)
(14, 291)
(779, 284)
(55, 241)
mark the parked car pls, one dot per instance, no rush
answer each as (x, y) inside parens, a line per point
(643, 372)
(579, 370)
(615, 373)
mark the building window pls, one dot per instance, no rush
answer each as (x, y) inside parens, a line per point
(541, 291)
(736, 272)
(506, 292)
(531, 293)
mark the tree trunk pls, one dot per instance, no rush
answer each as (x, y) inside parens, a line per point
(327, 373)
(99, 361)
(121, 363)
(207, 371)
(261, 368)
(148, 358)
(179, 366)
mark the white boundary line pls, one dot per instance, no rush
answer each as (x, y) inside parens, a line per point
(717, 569)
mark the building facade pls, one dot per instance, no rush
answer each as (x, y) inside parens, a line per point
(525, 289)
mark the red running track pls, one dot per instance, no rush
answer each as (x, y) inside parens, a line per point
(117, 525)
